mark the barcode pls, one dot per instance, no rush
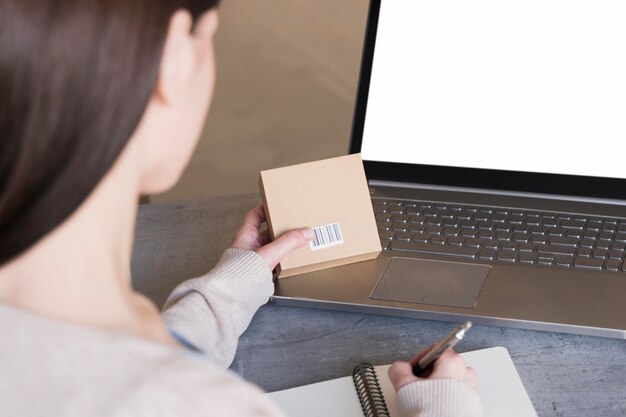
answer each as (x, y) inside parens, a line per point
(326, 236)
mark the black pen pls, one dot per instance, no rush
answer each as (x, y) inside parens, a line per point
(454, 337)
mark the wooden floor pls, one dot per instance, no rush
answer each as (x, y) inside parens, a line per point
(287, 75)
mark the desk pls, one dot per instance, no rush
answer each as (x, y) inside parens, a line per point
(565, 375)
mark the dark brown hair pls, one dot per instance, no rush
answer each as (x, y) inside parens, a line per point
(75, 79)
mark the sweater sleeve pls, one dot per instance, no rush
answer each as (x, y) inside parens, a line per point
(438, 398)
(212, 311)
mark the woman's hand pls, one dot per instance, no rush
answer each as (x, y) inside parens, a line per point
(449, 365)
(251, 238)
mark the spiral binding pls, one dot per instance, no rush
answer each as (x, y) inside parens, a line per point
(369, 391)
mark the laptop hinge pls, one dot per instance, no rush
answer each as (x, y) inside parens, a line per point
(397, 184)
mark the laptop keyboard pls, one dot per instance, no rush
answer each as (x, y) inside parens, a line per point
(502, 235)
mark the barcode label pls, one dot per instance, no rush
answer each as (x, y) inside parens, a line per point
(326, 236)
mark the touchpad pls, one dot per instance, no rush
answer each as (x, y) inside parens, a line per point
(422, 281)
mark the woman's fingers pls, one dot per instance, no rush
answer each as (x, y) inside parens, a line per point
(450, 365)
(401, 374)
(275, 251)
(248, 235)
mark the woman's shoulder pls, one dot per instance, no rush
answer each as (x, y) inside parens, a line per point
(189, 384)
(78, 371)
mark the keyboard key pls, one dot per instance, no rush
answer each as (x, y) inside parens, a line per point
(587, 243)
(600, 253)
(563, 260)
(521, 237)
(538, 230)
(508, 246)
(556, 231)
(451, 222)
(383, 217)
(574, 233)
(468, 233)
(612, 265)
(533, 221)
(487, 254)
(417, 219)
(451, 231)
(550, 222)
(586, 252)
(516, 219)
(605, 236)
(403, 236)
(527, 257)
(497, 217)
(428, 248)
(618, 246)
(399, 227)
(384, 244)
(594, 225)
(504, 235)
(395, 209)
(616, 254)
(557, 249)
(589, 263)
(571, 241)
(421, 237)
(545, 259)
(464, 215)
(503, 227)
(386, 234)
(434, 230)
(400, 218)
(429, 212)
(456, 241)
(491, 244)
(475, 243)
(417, 228)
(481, 217)
(539, 239)
(527, 247)
(620, 237)
(572, 224)
(603, 244)
(486, 234)
(509, 256)
(434, 221)
(446, 213)
(440, 240)
(468, 223)
(486, 225)
(523, 228)
(383, 225)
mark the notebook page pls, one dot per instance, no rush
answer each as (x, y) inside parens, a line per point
(501, 390)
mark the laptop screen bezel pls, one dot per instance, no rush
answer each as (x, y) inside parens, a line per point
(572, 185)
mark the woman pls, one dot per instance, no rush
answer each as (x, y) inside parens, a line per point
(102, 101)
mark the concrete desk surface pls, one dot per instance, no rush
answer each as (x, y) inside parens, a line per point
(565, 375)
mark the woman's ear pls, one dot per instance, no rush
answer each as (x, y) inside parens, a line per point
(178, 59)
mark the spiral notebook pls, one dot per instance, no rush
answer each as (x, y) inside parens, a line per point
(369, 393)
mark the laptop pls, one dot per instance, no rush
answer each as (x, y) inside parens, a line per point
(493, 135)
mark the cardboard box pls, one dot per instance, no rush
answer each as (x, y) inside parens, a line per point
(332, 197)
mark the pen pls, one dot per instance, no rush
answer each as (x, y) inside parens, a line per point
(454, 337)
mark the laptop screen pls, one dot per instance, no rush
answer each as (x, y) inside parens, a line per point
(535, 86)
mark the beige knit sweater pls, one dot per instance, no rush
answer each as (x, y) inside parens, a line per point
(54, 368)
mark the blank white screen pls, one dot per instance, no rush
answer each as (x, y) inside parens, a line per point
(525, 85)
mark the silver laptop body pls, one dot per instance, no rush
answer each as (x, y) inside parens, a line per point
(493, 136)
